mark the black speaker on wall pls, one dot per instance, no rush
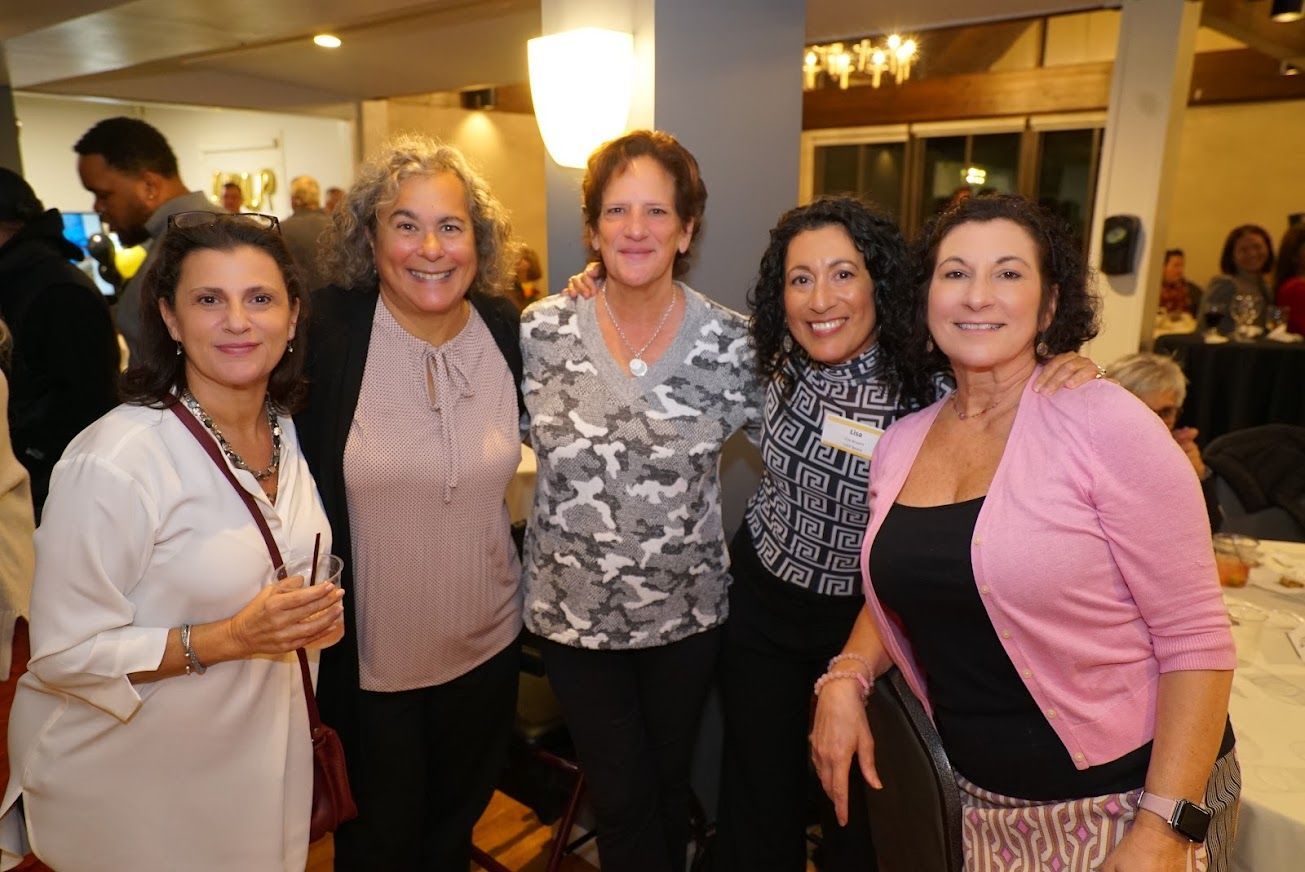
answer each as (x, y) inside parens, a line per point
(1119, 241)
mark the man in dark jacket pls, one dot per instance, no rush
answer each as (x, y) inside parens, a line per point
(65, 357)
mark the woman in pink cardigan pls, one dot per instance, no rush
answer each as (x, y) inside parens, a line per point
(1039, 567)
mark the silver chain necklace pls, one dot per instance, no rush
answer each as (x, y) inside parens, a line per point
(237, 461)
(638, 366)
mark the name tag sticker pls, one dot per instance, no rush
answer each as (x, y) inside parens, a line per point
(850, 436)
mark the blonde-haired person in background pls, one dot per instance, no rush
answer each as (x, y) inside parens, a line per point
(1158, 382)
(303, 230)
(413, 433)
(17, 556)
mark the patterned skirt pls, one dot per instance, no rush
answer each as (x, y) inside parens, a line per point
(1004, 834)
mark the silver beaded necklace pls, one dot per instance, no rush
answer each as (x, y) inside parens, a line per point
(237, 461)
(638, 366)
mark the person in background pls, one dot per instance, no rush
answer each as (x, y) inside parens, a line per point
(17, 558)
(64, 371)
(162, 721)
(1074, 654)
(413, 432)
(1290, 277)
(1178, 295)
(632, 394)
(1245, 262)
(131, 170)
(233, 199)
(334, 197)
(1159, 383)
(304, 229)
(526, 289)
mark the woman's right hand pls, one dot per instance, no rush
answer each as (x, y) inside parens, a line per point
(584, 283)
(840, 729)
(287, 615)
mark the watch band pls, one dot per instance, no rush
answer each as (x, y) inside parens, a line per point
(1189, 819)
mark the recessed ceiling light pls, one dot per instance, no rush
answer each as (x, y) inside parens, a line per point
(327, 40)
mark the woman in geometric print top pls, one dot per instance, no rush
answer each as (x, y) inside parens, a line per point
(830, 311)
(632, 394)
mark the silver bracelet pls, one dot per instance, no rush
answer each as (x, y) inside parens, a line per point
(192, 662)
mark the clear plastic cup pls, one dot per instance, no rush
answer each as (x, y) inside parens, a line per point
(329, 567)
(1230, 560)
(1247, 627)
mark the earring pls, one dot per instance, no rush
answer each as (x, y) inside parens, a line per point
(1041, 349)
(290, 347)
(928, 344)
(178, 349)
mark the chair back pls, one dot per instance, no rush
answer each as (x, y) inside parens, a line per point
(916, 818)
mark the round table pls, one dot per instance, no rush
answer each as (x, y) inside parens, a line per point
(1234, 385)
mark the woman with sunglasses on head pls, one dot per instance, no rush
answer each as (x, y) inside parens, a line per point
(1039, 568)
(162, 722)
(413, 431)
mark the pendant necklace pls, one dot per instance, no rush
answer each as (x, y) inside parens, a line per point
(260, 475)
(638, 366)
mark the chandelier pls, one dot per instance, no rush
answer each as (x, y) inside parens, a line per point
(838, 61)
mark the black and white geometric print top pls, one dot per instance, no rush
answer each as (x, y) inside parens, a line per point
(809, 513)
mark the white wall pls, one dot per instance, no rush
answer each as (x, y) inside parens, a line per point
(1237, 164)
(204, 139)
(505, 147)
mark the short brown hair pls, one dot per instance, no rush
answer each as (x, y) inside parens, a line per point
(612, 158)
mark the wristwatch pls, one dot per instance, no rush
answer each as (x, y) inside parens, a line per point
(1188, 819)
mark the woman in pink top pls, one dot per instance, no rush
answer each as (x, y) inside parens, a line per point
(1039, 567)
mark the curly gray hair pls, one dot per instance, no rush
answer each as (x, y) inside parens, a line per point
(348, 253)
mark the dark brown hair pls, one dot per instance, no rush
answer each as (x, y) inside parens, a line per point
(1227, 260)
(159, 371)
(1063, 271)
(612, 158)
(1289, 251)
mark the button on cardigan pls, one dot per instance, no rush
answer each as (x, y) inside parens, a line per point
(1092, 554)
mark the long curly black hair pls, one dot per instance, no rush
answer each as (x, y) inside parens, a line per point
(1064, 272)
(881, 245)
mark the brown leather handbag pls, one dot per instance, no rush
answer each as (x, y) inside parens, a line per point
(332, 800)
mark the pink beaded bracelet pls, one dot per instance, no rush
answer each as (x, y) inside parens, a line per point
(833, 676)
(864, 661)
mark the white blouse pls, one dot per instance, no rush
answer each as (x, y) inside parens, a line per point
(141, 533)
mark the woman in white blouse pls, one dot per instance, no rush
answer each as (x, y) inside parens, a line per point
(162, 723)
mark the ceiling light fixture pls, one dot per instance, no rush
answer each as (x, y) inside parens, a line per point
(839, 61)
(327, 40)
(1286, 10)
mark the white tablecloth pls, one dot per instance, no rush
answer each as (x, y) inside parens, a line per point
(1268, 715)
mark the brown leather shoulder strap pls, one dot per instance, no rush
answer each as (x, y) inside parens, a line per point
(210, 446)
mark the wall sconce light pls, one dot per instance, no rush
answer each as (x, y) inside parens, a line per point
(580, 82)
(477, 98)
(1287, 10)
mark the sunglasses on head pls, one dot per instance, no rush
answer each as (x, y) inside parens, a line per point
(201, 218)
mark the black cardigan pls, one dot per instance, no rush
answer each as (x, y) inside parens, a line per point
(339, 332)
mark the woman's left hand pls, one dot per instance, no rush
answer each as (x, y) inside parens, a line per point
(1068, 370)
(1149, 846)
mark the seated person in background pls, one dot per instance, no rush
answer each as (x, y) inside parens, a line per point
(1246, 259)
(1290, 277)
(1177, 294)
(1157, 381)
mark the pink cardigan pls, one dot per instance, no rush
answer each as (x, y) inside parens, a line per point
(1092, 556)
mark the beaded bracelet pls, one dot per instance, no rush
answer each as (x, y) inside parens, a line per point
(834, 676)
(864, 661)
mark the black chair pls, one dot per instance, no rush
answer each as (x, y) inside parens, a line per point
(540, 737)
(1260, 481)
(916, 818)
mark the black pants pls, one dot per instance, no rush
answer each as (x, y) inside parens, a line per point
(778, 641)
(429, 759)
(633, 716)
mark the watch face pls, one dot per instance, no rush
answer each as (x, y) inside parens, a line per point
(1192, 821)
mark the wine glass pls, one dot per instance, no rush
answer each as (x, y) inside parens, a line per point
(1213, 318)
(1274, 318)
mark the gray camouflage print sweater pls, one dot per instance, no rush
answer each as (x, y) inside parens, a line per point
(625, 547)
